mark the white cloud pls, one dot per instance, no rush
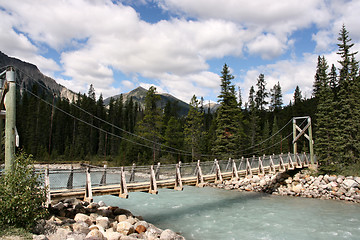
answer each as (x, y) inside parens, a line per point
(95, 38)
(267, 45)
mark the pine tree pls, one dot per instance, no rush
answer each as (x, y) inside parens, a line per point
(276, 98)
(254, 118)
(347, 109)
(228, 129)
(261, 93)
(193, 128)
(150, 126)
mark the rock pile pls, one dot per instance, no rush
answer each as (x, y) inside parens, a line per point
(301, 184)
(76, 220)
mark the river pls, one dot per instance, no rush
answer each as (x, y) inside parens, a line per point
(209, 213)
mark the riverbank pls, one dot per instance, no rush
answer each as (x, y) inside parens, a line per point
(301, 184)
(74, 219)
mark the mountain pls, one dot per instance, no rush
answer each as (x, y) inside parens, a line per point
(138, 95)
(28, 74)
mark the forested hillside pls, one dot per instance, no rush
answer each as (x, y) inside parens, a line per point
(54, 128)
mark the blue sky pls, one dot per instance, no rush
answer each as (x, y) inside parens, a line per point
(177, 46)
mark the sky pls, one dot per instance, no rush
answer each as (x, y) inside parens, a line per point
(178, 46)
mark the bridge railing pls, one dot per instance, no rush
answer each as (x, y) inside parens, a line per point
(76, 178)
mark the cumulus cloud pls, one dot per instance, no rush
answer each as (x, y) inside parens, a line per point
(96, 38)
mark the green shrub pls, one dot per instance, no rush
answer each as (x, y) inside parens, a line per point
(22, 196)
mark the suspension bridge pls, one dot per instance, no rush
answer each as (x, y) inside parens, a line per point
(89, 181)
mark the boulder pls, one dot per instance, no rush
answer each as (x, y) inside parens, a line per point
(131, 220)
(121, 211)
(168, 235)
(103, 222)
(349, 183)
(95, 234)
(140, 229)
(80, 217)
(113, 235)
(121, 218)
(357, 179)
(125, 228)
(297, 188)
(102, 204)
(81, 227)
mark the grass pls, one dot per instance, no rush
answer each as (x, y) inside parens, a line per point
(8, 232)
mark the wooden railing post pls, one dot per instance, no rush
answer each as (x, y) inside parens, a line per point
(103, 178)
(272, 165)
(306, 160)
(248, 168)
(218, 176)
(132, 175)
(47, 187)
(123, 187)
(199, 178)
(153, 185)
(88, 189)
(298, 161)
(290, 162)
(282, 167)
(70, 181)
(261, 168)
(234, 172)
(157, 171)
(178, 181)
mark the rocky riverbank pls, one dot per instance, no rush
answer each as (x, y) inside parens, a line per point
(76, 220)
(301, 184)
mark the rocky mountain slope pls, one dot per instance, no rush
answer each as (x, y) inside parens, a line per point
(28, 74)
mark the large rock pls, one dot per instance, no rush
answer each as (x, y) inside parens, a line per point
(80, 217)
(349, 183)
(121, 218)
(95, 234)
(125, 228)
(81, 227)
(297, 188)
(103, 222)
(169, 235)
(113, 235)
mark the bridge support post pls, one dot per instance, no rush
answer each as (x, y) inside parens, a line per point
(311, 142)
(157, 171)
(261, 168)
(290, 162)
(218, 176)
(306, 160)
(153, 185)
(70, 181)
(47, 187)
(272, 166)
(178, 181)
(123, 187)
(199, 177)
(10, 120)
(132, 175)
(234, 172)
(88, 189)
(298, 161)
(248, 168)
(282, 167)
(103, 178)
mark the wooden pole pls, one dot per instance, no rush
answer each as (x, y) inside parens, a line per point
(311, 142)
(10, 120)
(88, 189)
(294, 136)
(47, 187)
(123, 187)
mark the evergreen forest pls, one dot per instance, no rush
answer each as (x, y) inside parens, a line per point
(121, 133)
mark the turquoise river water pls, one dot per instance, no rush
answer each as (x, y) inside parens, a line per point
(209, 213)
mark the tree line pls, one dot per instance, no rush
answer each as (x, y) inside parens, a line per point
(123, 132)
